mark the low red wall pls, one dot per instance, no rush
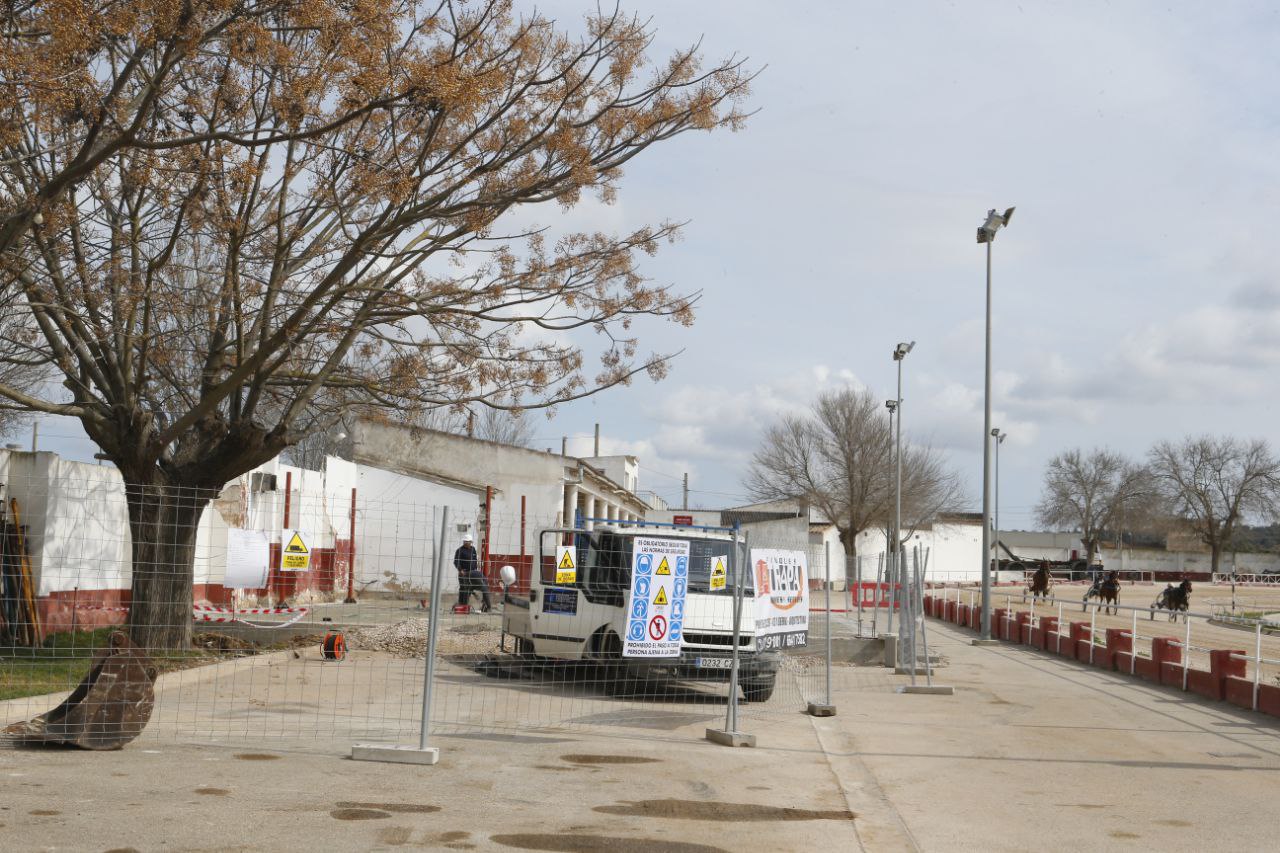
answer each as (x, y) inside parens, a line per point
(1225, 680)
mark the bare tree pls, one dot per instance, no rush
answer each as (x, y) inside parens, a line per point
(233, 223)
(504, 427)
(839, 458)
(1092, 492)
(1214, 484)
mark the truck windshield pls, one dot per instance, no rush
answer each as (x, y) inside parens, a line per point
(609, 565)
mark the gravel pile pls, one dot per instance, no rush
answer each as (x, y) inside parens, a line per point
(408, 639)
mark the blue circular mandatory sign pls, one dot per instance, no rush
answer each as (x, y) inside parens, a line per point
(682, 566)
(677, 609)
(640, 608)
(673, 633)
(635, 632)
(642, 587)
(681, 585)
(644, 564)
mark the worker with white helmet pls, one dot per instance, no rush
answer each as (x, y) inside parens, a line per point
(470, 578)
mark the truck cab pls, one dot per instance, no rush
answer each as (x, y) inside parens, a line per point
(585, 619)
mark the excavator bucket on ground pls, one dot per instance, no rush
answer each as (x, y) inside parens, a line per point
(109, 708)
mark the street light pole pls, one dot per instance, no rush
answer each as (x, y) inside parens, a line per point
(891, 551)
(987, 234)
(899, 354)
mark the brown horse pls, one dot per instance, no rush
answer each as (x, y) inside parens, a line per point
(1107, 589)
(1175, 599)
(1041, 583)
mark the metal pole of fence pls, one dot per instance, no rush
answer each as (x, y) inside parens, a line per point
(433, 628)
(1057, 633)
(1257, 664)
(1186, 654)
(1133, 645)
(890, 575)
(826, 709)
(857, 570)
(423, 754)
(826, 558)
(1093, 627)
(906, 619)
(875, 598)
(731, 721)
(924, 627)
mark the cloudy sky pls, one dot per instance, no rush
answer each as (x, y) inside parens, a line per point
(1136, 291)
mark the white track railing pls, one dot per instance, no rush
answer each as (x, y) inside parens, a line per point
(1255, 660)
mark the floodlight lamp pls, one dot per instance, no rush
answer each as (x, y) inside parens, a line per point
(900, 352)
(995, 221)
(995, 432)
(891, 405)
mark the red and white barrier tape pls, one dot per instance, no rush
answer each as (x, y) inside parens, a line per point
(247, 611)
(207, 613)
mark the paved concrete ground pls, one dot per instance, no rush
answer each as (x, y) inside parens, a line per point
(1032, 752)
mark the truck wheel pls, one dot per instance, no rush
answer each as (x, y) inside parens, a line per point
(758, 691)
(608, 657)
(524, 648)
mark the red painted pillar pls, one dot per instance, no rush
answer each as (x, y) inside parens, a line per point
(1024, 627)
(1049, 632)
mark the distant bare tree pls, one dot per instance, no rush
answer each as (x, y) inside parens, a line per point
(504, 427)
(1214, 484)
(839, 458)
(1091, 492)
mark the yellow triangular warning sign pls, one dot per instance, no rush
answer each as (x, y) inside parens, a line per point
(295, 546)
(718, 571)
(661, 597)
(566, 562)
(663, 568)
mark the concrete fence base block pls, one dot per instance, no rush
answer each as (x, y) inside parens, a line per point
(817, 709)
(929, 689)
(394, 754)
(906, 670)
(725, 738)
(890, 649)
(981, 642)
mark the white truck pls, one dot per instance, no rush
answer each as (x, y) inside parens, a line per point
(585, 620)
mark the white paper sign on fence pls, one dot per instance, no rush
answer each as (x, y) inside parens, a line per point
(655, 607)
(782, 598)
(248, 559)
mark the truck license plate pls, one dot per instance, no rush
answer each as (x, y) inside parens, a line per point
(714, 663)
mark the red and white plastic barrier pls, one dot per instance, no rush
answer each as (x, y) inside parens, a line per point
(209, 613)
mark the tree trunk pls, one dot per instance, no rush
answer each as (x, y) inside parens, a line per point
(1215, 555)
(163, 519)
(850, 543)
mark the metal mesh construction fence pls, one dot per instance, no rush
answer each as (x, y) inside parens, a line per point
(292, 613)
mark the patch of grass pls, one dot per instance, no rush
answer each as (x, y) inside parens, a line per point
(65, 657)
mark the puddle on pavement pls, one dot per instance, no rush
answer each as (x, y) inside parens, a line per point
(123, 850)
(358, 814)
(43, 812)
(1172, 822)
(555, 768)
(1121, 834)
(608, 759)
(398, 808)
(213, 792)
(713, 811)
(256, 756)
(591, 843)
